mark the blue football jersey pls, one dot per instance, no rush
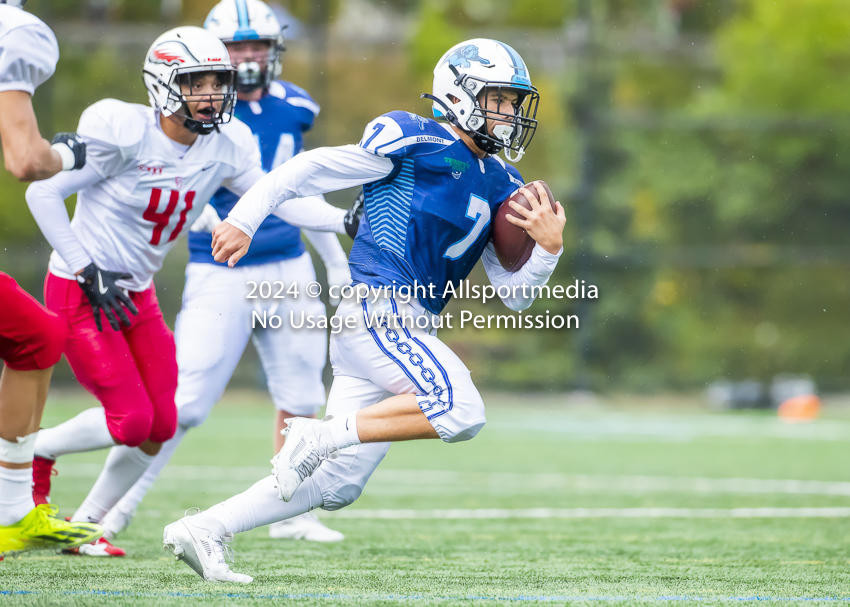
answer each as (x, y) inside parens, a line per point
(429, 220)
(279, 121)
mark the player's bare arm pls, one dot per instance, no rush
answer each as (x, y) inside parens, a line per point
(26, 154)
(544, 225)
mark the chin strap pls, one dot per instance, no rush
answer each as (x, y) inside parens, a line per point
(486, 144)
(201, 128)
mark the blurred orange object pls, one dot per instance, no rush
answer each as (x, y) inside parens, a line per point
(800, 408)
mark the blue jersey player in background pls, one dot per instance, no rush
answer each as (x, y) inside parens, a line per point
(431, 190)
(214, 324)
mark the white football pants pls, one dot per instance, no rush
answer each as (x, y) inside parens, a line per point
(373, 362)
(214, 326)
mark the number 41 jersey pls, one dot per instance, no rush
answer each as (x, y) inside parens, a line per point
(429, 220)
(148, 195)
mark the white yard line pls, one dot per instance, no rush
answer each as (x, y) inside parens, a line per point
(549, 513)
(652, 427)
(555, 513)
(510, 482)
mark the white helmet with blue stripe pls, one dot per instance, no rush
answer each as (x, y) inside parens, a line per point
(239, 20)
(468, 69)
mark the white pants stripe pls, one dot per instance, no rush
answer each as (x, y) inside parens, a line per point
(372, 363)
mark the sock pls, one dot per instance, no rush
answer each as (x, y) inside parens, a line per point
(342, 431)
(124, 466)
(85, 432)
(15, 495)
(260, 505)
(137, 492)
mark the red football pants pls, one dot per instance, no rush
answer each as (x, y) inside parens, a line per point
(31, 336)
(132, 372)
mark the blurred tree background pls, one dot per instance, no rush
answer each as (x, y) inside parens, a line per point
(701, 148)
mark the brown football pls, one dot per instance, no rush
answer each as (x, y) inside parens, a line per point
(513, 244)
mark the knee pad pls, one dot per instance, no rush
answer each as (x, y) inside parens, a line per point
(341, 480)
(131, 428)
(464, 420)
(340, 497)
(467, 433)
(193, 414)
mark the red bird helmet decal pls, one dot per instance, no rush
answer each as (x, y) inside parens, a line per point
(168, 57)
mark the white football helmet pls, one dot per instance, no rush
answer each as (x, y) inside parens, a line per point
(15, 3)
(173, 59)
(238, 20)
(464, 72)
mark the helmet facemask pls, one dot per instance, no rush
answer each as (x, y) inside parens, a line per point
(250, 73)
(211, 109)
(518, 118)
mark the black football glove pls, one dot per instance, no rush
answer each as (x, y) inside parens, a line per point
(354, 214)
(76, 147)
(99, 286)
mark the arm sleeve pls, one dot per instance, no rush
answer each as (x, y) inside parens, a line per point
(312, 213)
(28, 57)
(536, 272)
(46, 200)
(242, 182)
(307, 174)
(328, 247)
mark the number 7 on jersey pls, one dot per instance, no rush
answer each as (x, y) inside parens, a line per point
(479, 210)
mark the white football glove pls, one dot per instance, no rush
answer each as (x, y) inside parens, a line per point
(338, 276)
(206, 221)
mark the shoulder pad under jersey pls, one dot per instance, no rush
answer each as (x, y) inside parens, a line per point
(399, 134)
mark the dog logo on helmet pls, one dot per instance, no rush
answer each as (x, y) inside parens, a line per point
(169, 53)
(464, 55)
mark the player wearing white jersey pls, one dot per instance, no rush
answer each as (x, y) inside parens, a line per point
(214, 324)
(150, 172)
(31, 337)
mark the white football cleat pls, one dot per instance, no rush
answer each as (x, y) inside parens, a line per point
(305, 526)
(300, 455)
(116, 521)
(203, 550)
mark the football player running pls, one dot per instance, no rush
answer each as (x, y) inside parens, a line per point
(431, 189)
(214, 325)
(149, 173)
(31, 337)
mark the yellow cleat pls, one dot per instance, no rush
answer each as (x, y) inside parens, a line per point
(40, 530)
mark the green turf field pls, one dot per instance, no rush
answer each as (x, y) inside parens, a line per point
(620, 503)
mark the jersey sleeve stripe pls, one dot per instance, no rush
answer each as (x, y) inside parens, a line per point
(305, 103)
(383, 145)
(405, 141)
